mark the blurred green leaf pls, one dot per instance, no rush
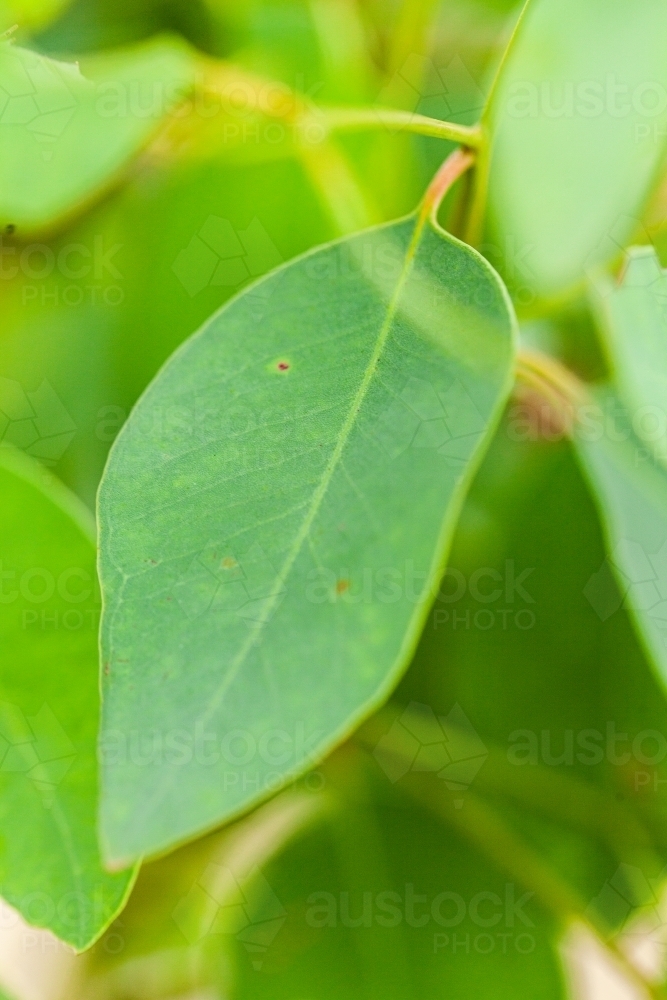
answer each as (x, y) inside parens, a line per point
(410, 37)
(317, 47)
(578, 127)
(174, 934)
(374, 899)
(528, 643)
(50, 869)
(172, 937)
(632, 326)
(239, 543)
(94, 312)
(247, 637)
(386, 902)
(621, 438)
(96, 25)
(64, 137)
(29, 14)
(631, 491)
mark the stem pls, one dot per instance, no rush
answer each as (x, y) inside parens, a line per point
(535, 367)
(475, 224)
(296, 110)
(488, 104)
(481, 186)
(454, 167)
(361, 119)
(555, 385)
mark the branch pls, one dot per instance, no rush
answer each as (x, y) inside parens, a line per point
(363, 119)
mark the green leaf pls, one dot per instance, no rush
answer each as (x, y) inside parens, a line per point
(87, 339)
(621, 439)
(633, 331)
(50, 869)
(171, 927)
(529, 639)
(29, 13)
(64, 137)
(579, 120)
(320, 49)
(305, 898)
(386, 902)
(307, 422)
(111, 24)
(631, 491)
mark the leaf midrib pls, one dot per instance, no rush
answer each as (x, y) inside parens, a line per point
(327, 475)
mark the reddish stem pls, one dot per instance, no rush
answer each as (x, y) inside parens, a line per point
(454, 167)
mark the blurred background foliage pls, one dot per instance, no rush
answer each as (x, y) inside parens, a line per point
(594, 835)
(334, 52)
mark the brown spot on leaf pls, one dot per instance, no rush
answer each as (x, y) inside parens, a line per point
(342, 586)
